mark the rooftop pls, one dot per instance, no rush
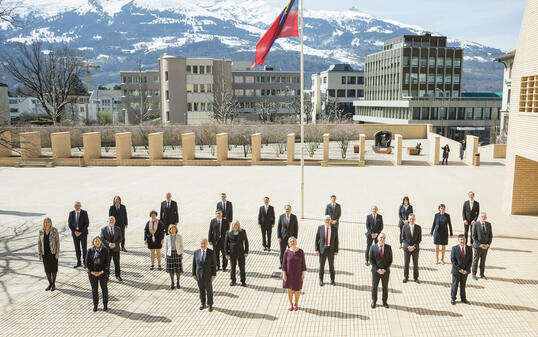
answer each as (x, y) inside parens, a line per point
(507, 56)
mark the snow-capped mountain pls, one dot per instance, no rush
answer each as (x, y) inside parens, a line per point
(113, 33)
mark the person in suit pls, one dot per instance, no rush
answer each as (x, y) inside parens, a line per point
(403, 214)
(440, 231)
(226, 207)
(471, 209)
(293, 272)
(217, 233)
(78, 223)
(173, 247)
(48, 251)
(204, 272)
(119, 212)
(374, 226)
(326, 247)
(169, 212)
(266, 221)
(411, 237)
(461, 257)
(236, 248)
(287, 227)
(482, 237)
(111, 236)
(381, 259)
(334, 210)
(98, 263)
(154, 234)
(462, 149)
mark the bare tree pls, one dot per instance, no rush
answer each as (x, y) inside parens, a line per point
(7, 11)
(49, 75)
(143, 111)
(313, 136)
(343, 134)
(266, 110)
(295, 108)
(225, 105)
(333, 112)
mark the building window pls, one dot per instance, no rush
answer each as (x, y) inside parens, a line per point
(360, 79)
(468, 113)
(452, 114)
(189, 70)
(423, 62)
(414, 78)
(208, 70)
(195, 88)
(435, 114)
(351, 80)
(456, 78)
(238, 79)
(249, 79)
(414, 61)
(457, 62)
(202, 88)
(341, 93)
(431, 79)
(343, 80)
(405, 93)
(422, 78)
(351, 93)
(442, 113)
(168, 116)
(360, 93)
(461, 114)
(421, 93)
(431, 62)
(456, 93)
(406, 78)
(195, 106)
(167, 95)
(425, 114)
(202, 107)
(189, 87)
(406, 61)
(202, 70)
(487, 113)
(325, 80)
(449, 62)
(331, 92)
(238, 92)
(155, 78)
(440, 62)
(416, 113)
(430, 93)
(448, 79)
(477, 113)
(439, 78)
(209, 88)
(195, 70)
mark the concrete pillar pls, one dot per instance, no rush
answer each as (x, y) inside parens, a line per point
(256, 146)
(61, 144)
(92, 145)
(124, 145)
(435, 148)
(222, 146)
(429, 130)
(471, 149)
(155, 145)
(188, 144)
(30, 145)
(291, 147)
(326, 139)
(398, 140)
(362, 146)
(5, 144)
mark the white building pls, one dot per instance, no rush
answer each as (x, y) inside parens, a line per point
(19, 106)
(104, 100)
(508, 61)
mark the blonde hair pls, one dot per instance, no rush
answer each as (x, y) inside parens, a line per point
(47, 219)
(172, 226)
(290, 238)
(233, 224)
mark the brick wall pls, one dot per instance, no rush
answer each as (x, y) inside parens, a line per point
(525, 198)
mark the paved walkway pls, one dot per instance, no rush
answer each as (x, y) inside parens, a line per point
(504, 305)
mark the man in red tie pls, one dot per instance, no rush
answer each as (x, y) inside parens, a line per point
(381, 259)
(326, 248)
(217, 233)
(462, 258)
(287, 227)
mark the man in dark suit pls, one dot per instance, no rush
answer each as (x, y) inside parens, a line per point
(287, 227)
(326, 248)
(112, 237)
(471, 209)
(411, 237)
(461, 257)
(204, 272)
(119, 212)
(334, 210)
(236, 247)
(266, 221)
(218, 227)
(381, 259)
(78, 222)
(169, 212)
(482, 236)
(374, 226)
(226, 207)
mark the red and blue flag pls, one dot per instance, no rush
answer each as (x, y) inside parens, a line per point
(285, 25)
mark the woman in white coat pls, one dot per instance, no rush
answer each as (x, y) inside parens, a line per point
(173, 248)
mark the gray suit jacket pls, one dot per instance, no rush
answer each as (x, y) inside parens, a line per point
(478, 235)
(203, 270)
(107, 238)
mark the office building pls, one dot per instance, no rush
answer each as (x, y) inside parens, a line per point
(105, 101)
(508, 61)
(140, 96)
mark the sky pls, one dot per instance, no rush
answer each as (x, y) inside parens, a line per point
(495, 23)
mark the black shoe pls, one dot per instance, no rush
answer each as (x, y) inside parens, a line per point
(53, 287)
(264, 249)
(48, 288)
(172, 287)
(105, 308)
(280, 267)
(124, 250)
(202, 307)
(372, 305)
(466, 302)
(224, 269)
(94, 309)
(119, 278)
(333, 283)
(417, 281)
(218, 268)
(210, 308)
(77, 265)
(151, 268)
(268, 249)
(367, 263)
(405, 280)
(453, 302)
(84, 266)
(321, 283)
(232, 283)
(177, 285)
(160, 268)
(483, 277)
(474, 277)
(243, 284)
(385, 305)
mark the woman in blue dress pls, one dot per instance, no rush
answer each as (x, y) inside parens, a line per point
(440, 227)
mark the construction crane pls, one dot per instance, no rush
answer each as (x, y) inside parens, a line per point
(88, 67)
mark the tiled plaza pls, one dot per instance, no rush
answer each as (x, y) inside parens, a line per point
(504, 305)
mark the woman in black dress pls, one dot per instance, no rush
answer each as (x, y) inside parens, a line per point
(48, 247)
(446, 151)
(98, 263)
(440, 232)
(173, 248)
(403, 214)
(154, 238)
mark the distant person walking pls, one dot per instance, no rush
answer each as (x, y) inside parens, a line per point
(463, 146)
(48, 247)
(293, 272)
(446, 151)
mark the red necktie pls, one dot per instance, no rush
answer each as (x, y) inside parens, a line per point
(462, 251)
(381, 251)
(218, 230)
(224, 208)
(326, 236)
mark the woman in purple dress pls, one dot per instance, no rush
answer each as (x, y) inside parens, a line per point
(293, 272)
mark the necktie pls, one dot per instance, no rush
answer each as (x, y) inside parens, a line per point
(381, 251)
(287, 221)
(484, 228)
(326, 236)
(224, 207)
(411, 227)
(374, 219)
(169, 204)
(203, 255)
(462, 251)
(118, 208)
(77, 219)
(111, 230)
(218, 229)
(333, 207)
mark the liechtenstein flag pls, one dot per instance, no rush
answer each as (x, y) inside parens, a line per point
(285, 25)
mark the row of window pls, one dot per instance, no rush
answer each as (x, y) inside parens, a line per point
(199, 88)
(432, 78)
(139, 79)
(199, 106)
(345, 93)
(265, 92)
(352, 79)
(431, 62)
(431, 93)
(266, 79)
(135, 92)
(199, 70)
(426, 113)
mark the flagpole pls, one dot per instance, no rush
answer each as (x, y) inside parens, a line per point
(302, 109)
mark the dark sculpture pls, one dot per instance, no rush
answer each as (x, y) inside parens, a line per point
(383, 138)
(419, 147)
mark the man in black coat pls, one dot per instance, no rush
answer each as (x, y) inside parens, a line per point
(326, 248)
(218, 227)
(112, 237)
(266, 221)
(411, 237)
(169, 212)
(334, 210)
(226, 207)
(381, 259)
(78, 222)
(119, 212)
(471, 209)
(288, 226)
(461, 257)
(374, 226)
(482, 236)
(236, 248)
(204, 272)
